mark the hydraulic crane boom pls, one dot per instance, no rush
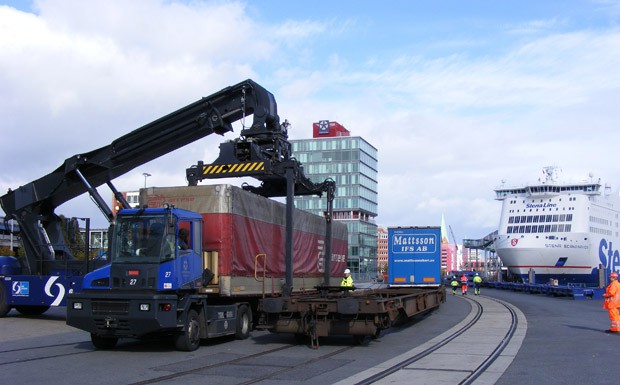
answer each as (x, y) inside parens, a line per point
(33, 204)
(264, 154)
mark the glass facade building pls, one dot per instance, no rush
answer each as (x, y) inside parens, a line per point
(352, 163)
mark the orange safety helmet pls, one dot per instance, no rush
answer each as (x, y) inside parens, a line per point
(613, 275)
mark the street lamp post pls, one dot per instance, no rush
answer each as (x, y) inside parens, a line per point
(146, 175)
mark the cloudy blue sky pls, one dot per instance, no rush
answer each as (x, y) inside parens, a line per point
(457, 96)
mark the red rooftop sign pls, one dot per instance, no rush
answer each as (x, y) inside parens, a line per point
(325, 128)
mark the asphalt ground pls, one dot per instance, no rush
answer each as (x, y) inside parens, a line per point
(134, 361)
(565, 342)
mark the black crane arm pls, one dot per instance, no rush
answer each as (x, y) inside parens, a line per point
(33, 204)
(262, 152)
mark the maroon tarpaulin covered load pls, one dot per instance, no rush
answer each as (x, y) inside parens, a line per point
(241, 227)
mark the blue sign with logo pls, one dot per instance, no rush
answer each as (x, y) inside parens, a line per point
(414, 255)
(323, 126)
(21, 288)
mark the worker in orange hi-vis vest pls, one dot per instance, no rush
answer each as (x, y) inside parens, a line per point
(612, 302)
(464, 284)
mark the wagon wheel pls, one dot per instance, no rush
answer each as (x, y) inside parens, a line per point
(314, 338)
(358, 339)
(377, 333)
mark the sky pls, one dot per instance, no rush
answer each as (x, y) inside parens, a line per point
(459, 96)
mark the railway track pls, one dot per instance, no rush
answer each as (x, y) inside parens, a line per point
(456, 356)
(39, 353)
(496, 319)
(493, 328)
(249, 361)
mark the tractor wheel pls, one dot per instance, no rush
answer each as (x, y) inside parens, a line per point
(244, 322)
(189, 339)
(103, 343)
(4, 306)
(32, 310)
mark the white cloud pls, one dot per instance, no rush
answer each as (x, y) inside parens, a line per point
(449, 128)
(537, 26)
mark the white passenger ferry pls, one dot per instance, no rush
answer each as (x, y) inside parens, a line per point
(560, 231)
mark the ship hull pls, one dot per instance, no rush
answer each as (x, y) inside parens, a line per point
(570, 261)
(548, 262)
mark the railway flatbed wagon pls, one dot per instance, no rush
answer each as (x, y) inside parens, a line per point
(340, 311)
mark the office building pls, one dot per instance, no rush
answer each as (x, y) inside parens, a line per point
(352, 163)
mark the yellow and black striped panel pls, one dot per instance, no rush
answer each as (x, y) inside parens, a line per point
(233, 169)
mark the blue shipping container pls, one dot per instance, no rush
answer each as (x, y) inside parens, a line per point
(414, 256)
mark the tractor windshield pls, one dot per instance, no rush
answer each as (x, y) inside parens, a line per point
(142, 239)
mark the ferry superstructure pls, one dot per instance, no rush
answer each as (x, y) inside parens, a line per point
(560, 231)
